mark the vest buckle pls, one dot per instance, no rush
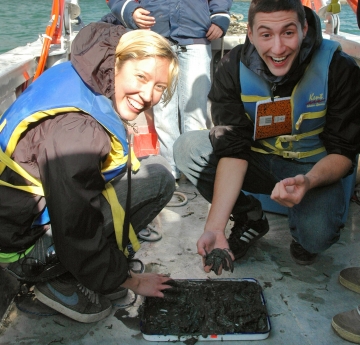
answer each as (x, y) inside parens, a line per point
(287, 138)
(290, 154)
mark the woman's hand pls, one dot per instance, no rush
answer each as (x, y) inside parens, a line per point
(147, 284)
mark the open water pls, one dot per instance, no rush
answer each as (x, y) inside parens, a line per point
(22, 21)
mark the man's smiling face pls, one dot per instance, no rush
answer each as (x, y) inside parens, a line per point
(277, 37)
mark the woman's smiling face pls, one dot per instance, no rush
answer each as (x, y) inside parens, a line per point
(139, 85)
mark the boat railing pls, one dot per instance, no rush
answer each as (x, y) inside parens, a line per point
(19, 66)
(350, 43)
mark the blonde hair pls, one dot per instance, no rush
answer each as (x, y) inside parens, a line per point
(141, 44)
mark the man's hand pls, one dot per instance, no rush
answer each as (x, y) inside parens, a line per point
(214, 32)
(290, 191)
(147, 284)
(142, 19)
(210, 240)
(226, 190)
(330, 169)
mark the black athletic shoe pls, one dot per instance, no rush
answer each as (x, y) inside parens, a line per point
(244, 235)
(300, 255)
(69, 297)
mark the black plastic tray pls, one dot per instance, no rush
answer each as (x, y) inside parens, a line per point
(161, 322)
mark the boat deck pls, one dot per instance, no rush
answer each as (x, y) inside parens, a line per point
(301, 300)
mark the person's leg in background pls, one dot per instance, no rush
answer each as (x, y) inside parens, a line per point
(187, 110)
(194, 86)
(166, 120)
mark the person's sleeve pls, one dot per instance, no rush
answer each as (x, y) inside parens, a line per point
(220, 13)
(341, 133)
(123, 10)
(111, 19)
(70, 170)
(231, 135)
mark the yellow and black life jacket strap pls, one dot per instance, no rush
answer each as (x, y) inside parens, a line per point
(29, 189)
(253, 98)
(309, 116)
(290, 138)
(297, 137)
(287, 153)
(135, 163)
(37, 189)
(118, 215)
(2, 125)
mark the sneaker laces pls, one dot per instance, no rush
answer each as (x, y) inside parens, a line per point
(92, 296)
(237, 230)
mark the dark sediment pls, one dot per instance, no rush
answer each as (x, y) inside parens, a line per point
(205, 307)
(219, 258)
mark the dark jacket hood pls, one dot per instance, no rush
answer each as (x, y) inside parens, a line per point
(313, 39)
(93, 56)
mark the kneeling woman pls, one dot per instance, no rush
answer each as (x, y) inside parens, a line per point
(65, 172)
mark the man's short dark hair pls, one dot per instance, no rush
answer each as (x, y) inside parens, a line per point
(269, 6)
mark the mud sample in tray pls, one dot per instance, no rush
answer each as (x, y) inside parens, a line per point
(205, 308)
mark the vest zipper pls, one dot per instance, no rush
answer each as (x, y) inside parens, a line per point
(272, 90)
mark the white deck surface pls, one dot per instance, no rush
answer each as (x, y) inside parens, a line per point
(301, 300)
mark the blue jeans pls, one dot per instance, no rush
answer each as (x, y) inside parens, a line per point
(187, 110)
(315, 222)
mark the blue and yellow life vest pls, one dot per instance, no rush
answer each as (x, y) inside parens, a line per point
(61, 90)
(308, 107)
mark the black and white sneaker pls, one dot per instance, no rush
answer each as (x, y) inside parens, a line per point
(245, 234)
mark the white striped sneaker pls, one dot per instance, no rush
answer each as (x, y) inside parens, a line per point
(244, 235)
